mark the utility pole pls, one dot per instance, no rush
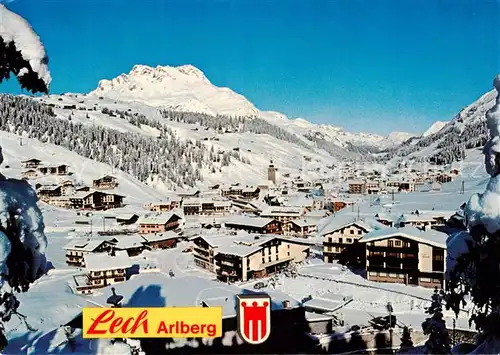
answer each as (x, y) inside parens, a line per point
(91, 227)
(462, 191)
(392, 193)
(390, 309)
(21, 141)
(104, 224)
(358, 213)
(454, 327)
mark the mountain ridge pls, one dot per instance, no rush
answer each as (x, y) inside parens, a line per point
(186, 88)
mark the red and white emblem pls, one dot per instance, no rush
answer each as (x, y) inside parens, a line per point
(254, 318)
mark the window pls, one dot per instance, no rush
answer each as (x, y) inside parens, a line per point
(263, 260)
(288, 246)
(383, 274)
(398, 243)
(340, 240)
(360, 231)
(329, 239)
(390, 243)
(277, 257)
(393, 275)
(349, 240)
(401, 276)
(351, 231)
(270, 258)
(276, 248)
(372, 273)
(288, 253)
(263, 252)
(425, 279)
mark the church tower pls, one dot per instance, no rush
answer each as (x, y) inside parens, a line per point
(271, 173)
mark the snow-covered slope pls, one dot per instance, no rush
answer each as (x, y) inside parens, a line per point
(186, 88)
(466, 131)
(183, 88)
(434, 128)
(83, 170)
(255, 150)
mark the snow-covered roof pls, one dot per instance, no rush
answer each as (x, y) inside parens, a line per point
(156, 237)
(84, 245)
(128, 241)
(103, 261)
(305, 222)
(430, 236)
(346, 220)
(48, 187)
(160, 219)
(199, 201)
(159, 290)
(256, 222)
(282, 211)
(355, 182)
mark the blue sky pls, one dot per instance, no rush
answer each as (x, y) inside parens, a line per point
(378, 66)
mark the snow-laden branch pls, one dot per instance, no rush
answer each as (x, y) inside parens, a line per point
(22, 53)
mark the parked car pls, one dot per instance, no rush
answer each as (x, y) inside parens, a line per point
(259, 285)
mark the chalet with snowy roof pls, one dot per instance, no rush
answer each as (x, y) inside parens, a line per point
(397, 185)
(82, 189)
(158, 224)
(423, 219)
(31, 163)
(133, 245)
(247, 257)
(164, 240)
(188, 194)
(106, 182)
(206, 207)
(385, 219)
(67, 187)
(103, 270)
(372, 187)
(77, 249)
(59, 201)
(318, 202)
(165, 206)
(127, 219)
(96, 200)
(302, 227)
(444, 178)
(254, 224)
(29, 174)
(357, 187)
(406, 255)
(342, 233)
(44, 193)
(284, 214)
(62, 169)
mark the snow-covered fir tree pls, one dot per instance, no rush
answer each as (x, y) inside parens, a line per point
(473, 260)
(167, 158)
(435, 327)
(22, 238)
(406, 342)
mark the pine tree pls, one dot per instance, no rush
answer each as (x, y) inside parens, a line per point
(473, 261)
(435, 327)
(406, 342)
(22, 241)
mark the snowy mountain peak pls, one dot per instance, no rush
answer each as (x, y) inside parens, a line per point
(182, 88)
(434, 128)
